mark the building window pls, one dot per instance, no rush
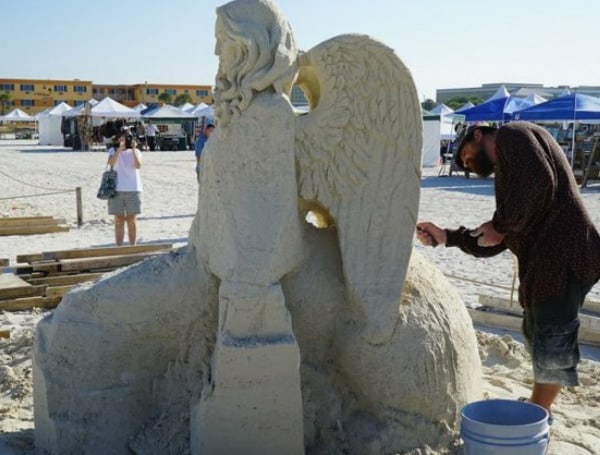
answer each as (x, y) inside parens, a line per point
(80, 89)
(201, 92)
(60, 88)
(151, 91)
(171, 91)
(27, 102)
(7, 87)
(78, 102)
(27, 87)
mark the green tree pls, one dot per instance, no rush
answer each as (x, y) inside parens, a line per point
(165, 97)
(4, 102)
(182, 99)
(428, 104)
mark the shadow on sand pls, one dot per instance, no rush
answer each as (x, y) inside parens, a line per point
(460, 184)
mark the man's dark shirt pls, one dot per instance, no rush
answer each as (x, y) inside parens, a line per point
(540, 211)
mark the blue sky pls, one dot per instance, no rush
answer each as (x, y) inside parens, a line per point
(446, 44)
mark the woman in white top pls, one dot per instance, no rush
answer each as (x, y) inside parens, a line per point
(126, 159)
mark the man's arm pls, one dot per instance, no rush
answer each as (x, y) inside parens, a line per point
(463, 238)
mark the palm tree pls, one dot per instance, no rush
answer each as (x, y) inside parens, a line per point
(4, 101)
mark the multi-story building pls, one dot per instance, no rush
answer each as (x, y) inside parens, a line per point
(147, 93)
(36, 95)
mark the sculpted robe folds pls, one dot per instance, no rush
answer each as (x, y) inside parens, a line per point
(248, 226)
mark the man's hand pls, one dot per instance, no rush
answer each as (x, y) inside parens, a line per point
(487, 235)
(431, 235)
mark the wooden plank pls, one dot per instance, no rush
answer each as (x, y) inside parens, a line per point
(8, 280)
(108, 251)
(23, 291)
(512, 322)
(34, 257)
(21, 219)
(39, 221)
(4, 333)
(66, 280)
(58, 291)
(31, 227)
(46, 266)
(29, 302)
(105, 262)
(32, 230)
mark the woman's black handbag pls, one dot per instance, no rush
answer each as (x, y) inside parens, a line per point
(108, 185)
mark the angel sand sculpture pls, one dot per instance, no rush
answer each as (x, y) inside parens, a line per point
(267, 335)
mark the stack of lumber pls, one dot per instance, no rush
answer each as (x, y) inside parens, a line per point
(40, 280)
(502, 313)
(29, 225)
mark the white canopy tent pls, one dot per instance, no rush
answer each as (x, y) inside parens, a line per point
(110, 108)
(436, 128)
(186, 107)
(77, 110)
(49, 124)
(168, 111)
(107, 108)
(17, 115)
(203, 110)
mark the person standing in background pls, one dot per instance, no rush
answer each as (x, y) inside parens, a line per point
(200, 142)
(126, 159)
(151, 131)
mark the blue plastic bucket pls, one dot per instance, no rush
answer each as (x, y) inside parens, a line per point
(504, 427)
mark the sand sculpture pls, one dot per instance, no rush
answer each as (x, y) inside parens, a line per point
(266, 334)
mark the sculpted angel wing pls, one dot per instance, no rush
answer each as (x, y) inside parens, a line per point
(358, 155)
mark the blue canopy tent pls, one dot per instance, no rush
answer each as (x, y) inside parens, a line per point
(573, 107)
(500, 109)
(515, 104)
(491, 109)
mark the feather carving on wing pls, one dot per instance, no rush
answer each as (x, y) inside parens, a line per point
(358, 154)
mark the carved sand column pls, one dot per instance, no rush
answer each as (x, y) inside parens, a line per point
(253, 404)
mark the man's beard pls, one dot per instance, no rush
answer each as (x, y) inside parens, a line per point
(481, 164)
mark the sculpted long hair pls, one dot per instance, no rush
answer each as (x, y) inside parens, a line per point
(265, 52)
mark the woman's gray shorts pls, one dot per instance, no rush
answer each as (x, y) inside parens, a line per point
(125, 203)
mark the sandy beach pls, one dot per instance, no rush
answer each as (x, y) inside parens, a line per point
(169, 203)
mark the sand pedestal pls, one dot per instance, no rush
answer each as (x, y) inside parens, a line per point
(253, 404)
